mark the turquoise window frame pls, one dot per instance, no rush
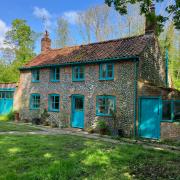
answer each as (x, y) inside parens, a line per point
(106, 98)
(50, 108)
(106, 71)
(74, 78)
(172, 110)
(32, 103)
(35, 74)
(53, 74)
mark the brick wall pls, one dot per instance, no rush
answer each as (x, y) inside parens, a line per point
(122, 87)
(170, 130)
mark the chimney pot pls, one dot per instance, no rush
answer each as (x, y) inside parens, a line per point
(45, 43)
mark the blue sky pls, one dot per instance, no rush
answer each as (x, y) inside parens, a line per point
(33, 10)
(25, 9)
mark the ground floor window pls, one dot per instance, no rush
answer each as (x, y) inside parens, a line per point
(35, 101)
(54, 102)
(171, 110)
(6, 95)
(105, 105)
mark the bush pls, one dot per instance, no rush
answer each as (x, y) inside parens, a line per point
(11, 116)
(36, 121)
(101, 125)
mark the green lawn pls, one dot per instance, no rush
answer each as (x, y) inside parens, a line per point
(9, 126)
(66, 157)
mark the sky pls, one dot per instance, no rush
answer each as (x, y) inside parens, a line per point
(35, 10)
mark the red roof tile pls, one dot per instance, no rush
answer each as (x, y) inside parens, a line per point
(119, 48)
(8, 85)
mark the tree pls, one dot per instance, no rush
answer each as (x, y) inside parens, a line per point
(172, 10)
(62, 33)
(170, 40)
(21, 38)
(19, 42)
(96, 24)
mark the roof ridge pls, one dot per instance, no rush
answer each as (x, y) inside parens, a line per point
(101, 42)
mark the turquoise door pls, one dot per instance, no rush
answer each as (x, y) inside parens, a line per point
(149, 120)
(78, 111)
(6, 102)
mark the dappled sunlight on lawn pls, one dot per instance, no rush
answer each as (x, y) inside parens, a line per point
(71, 157)
(14, 150)
(98, 157)
(48, 155)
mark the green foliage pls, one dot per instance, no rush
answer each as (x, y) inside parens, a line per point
(20, 40)
(101, 124)
(172, 9)
(170, 40)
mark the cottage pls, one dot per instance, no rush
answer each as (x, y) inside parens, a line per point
(81, 85)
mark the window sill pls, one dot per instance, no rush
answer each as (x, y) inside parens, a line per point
(55, 81)
(78, 80)
(50, 110)
(104, 115)
(106, 79)
(35, 81)
(168, 121)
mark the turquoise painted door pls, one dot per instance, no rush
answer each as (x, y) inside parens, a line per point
(77, 111)
(6, 102)
(149, 124)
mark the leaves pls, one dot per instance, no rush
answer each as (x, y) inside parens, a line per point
(173, 9)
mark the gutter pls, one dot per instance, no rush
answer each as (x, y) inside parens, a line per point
(135, 93)
(130, 58)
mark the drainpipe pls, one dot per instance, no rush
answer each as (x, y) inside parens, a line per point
(135, 93)
(167, 61)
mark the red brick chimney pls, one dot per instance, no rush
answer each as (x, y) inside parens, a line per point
(150, 26)
(45, 43)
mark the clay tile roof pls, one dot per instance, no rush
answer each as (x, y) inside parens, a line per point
(8, 85)
(119, 48)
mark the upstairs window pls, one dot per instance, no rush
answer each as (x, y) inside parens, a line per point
(55, 75)
(106, 71)
(54, 103)
(105, 105)
(35, 101)
(35, 75)
(170, 110)
(78, 73)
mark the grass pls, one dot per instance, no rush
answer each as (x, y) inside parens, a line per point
(9, 126)
(4, 118)
(68, 157)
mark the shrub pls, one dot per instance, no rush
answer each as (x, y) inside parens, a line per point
(36, 121)
(101, 125)
(11, 116)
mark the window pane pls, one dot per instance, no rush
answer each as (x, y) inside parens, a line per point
(105, 105)
(35, 101)
(54, 102)
(110, 105)
(37, 75)
(102, 110)
(57, 73)
(103, 71)
(166, 108)
(176, 110)
(102, 101)
(79, 103)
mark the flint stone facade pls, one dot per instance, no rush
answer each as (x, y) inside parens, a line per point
(122, 87)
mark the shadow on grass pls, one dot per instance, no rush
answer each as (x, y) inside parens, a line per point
(69, 157)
